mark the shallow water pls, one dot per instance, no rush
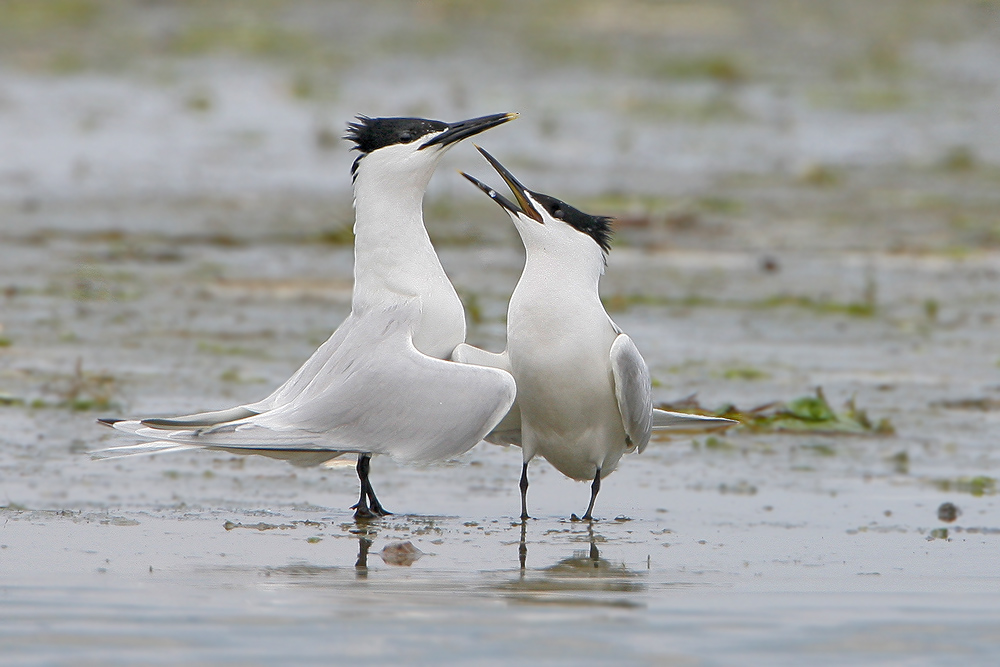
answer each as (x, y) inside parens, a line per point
(254, 564)
(172, 240)
(765, 547)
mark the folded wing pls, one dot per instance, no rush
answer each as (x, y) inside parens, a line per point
(633, 389)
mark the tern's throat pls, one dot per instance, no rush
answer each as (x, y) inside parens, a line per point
(394, 258)
(391, 247)
(571, 270)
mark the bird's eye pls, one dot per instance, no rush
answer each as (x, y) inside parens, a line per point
(406, 137)
(557, 212)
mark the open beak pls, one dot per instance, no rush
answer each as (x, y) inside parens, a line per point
(493, 194)
(464, 129)
(519, 191)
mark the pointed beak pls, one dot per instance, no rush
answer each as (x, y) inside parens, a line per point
(464, 129)
(520, 192)
(493, 194)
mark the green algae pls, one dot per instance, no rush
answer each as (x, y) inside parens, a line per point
(805, 414)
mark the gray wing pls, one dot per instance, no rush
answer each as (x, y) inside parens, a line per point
(200, 419)
(633, 389)
(508, 431)
(291, 388)
(375, 393)
(313, 366)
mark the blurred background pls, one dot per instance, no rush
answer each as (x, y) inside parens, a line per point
(740, 124)
(807, 196)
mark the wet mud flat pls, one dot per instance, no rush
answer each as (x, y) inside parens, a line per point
(755, 542)
(810, 242)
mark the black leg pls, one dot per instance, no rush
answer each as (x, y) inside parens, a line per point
(524, 492)
(368, 506)
(361, 510)
(594, 488)
(375, 504)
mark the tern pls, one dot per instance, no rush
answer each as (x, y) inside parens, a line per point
(383, 383)
(584, 395)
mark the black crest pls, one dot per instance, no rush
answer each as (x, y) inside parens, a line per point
(371, 134)
(597, 227)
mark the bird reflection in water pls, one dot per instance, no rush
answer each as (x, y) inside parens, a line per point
(577, 559)
(361, 565)
(584, 571)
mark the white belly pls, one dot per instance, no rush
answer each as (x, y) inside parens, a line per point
(569, 414)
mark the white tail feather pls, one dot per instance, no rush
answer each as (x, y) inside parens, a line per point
(158, 447)
(664, 420)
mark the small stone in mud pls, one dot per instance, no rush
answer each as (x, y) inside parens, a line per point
(948, 512)
(123, 521)
(401, 553)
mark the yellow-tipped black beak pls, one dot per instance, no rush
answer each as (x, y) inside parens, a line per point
(493, 194)
(519, 191)
(464, 129)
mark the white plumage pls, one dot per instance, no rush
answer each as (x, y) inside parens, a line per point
(383, 382)
(584, 395)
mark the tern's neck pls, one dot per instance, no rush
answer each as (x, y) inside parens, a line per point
(391, 248)
(564, 271)
(553, 290)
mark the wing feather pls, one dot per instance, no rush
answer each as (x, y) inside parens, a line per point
(156, 447)
(199, 420)
(508, 431)
(633, 389)
(374, 392)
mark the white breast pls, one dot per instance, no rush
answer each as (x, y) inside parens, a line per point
(559, 341)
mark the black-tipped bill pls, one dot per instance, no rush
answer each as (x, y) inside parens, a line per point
(493, 194)
(520, 192)
(464, 129)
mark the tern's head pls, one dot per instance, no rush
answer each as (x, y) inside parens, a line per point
(547, 222)
(410, 147)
